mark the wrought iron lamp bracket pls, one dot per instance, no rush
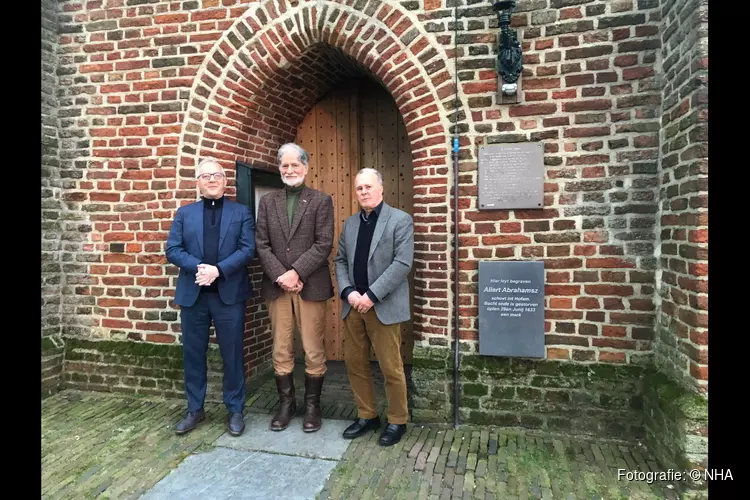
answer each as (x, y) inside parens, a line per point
(509, 54)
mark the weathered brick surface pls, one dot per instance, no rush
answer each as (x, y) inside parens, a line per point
(676, 417)
(584, 399)
(53, 355)
(682, 349)
(432, 378)
(133, 368)
(107, 446)
(590, 94)
(487, 463)
(51, 182)
(676, 422)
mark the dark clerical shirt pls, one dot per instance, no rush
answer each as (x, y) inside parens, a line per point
(211, 231)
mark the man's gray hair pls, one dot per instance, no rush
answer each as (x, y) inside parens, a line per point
(371, 171)
(206, 161)
(304, 158)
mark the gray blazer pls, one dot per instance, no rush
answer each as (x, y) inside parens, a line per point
(388, 266)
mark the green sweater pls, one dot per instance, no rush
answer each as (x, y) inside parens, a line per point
(292, 196)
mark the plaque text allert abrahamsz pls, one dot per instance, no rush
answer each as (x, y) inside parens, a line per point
(511, 308)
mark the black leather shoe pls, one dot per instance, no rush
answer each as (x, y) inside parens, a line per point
(188, 423)
(392, 434)
(236, 424)
(361, 426)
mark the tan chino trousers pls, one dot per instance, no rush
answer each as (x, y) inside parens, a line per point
(361, 329)
(288, 311)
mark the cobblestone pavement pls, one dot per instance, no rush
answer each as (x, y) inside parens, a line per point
(105, 446)
(431, 463)
(112, 446)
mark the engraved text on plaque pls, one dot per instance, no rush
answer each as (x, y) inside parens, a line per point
(511, 176)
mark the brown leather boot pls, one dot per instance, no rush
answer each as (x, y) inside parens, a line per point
(287, 404)
(313, 414)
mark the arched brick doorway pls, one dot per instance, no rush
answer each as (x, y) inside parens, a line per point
(269, 70)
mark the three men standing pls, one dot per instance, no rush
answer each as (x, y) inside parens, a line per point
(212, 241)
(295, 238)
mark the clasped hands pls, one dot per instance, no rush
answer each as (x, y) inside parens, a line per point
(361, 303)
(206, 274)
(290, 282)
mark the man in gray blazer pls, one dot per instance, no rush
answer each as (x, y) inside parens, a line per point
(375, 253)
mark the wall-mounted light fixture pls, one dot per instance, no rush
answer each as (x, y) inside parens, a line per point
(509, 56)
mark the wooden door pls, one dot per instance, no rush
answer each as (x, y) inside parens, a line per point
(355, 126)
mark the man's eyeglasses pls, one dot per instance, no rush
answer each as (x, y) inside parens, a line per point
(216, 175)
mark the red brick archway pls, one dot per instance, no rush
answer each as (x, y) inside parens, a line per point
(273, 65)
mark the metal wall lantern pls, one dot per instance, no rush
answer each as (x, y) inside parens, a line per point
(509, 56)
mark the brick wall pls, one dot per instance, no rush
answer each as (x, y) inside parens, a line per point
(676, 427)
(133, 126)
(52, 278)
(682, 347)
(596, 399)
(139, 368)
(53, 358)
(138, 128)
(51, 206)
(591, 95)
(676, 417)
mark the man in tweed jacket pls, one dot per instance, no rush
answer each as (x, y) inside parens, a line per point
(294, 238)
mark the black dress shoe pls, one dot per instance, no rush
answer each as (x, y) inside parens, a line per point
(392, 434)
(361, 426)
(188, 423)
(236, 424)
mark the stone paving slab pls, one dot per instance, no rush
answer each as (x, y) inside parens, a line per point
(226, 473)
(326, 443)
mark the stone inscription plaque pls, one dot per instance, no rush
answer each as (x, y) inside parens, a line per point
(511, 176)
(511, 308)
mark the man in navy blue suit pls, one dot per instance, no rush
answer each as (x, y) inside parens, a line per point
(212, 241)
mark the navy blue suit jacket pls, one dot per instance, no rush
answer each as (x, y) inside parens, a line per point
(236, 250)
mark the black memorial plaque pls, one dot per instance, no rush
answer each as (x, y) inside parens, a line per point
(511, 308)
(511, 176)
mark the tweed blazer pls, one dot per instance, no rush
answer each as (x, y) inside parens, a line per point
(390, 259)
(304, 247)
